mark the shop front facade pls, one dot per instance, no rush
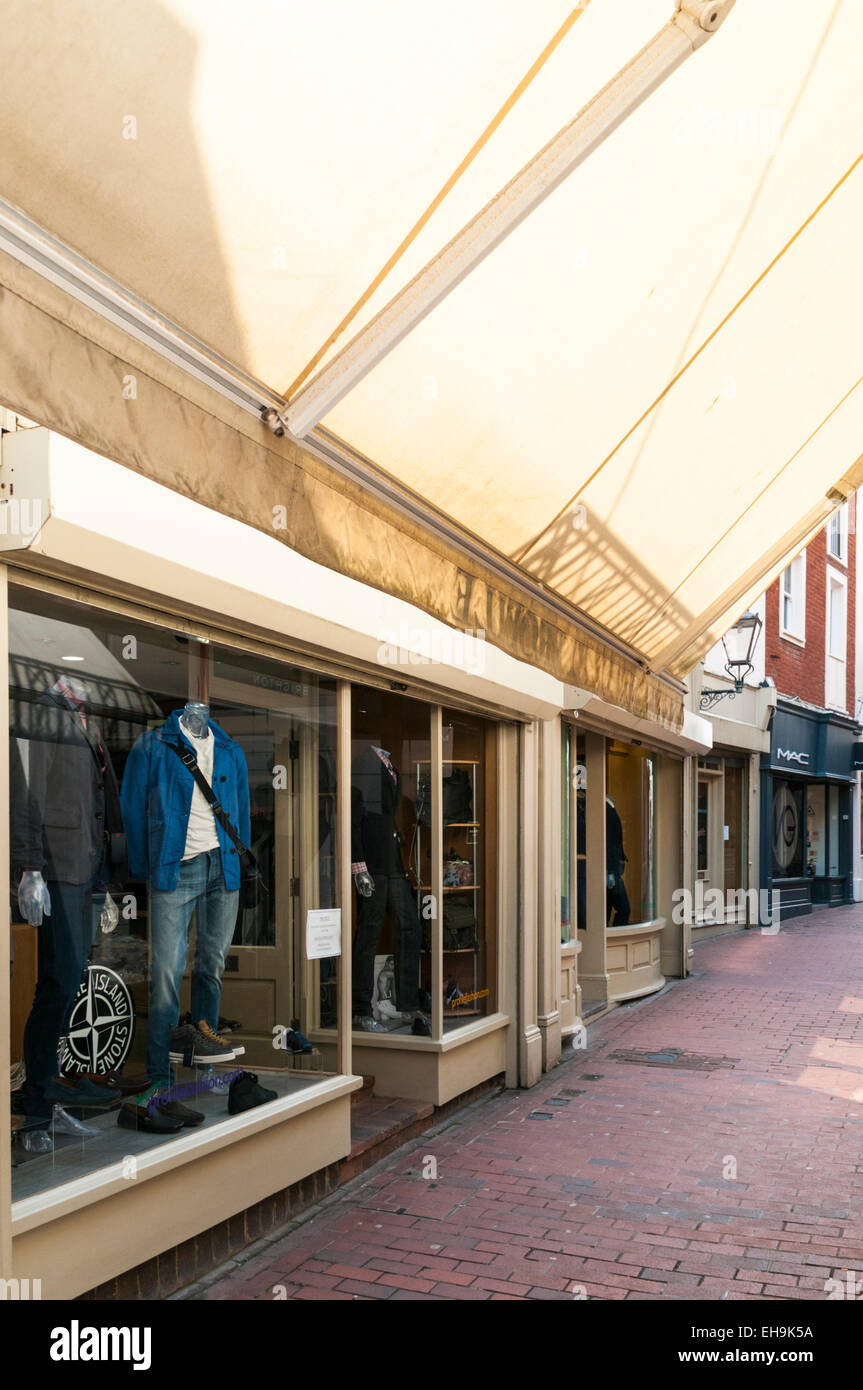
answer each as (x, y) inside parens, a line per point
(626, 852)
(808, 784)
(426, 814)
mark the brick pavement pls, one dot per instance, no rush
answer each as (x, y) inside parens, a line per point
(736, 1174)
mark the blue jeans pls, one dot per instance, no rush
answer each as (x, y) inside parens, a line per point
(200, 888)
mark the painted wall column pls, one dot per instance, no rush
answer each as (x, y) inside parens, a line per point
(529, 1036)
(548, 892)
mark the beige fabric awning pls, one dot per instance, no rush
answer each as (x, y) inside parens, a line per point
(639, 401)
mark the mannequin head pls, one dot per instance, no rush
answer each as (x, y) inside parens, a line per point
(196, 718)
(78, 688)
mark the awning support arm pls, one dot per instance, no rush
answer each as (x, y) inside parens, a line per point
(693, 23)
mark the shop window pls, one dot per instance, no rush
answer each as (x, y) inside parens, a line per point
(393, 906)
(816, 830)
(580, 775)
(146, 975)
(408, 931)
(629, 835)
(789, 830)
(469, 912)
(567, 797)
(792, 599)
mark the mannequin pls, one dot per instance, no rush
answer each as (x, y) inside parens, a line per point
(191, 866)
(382, 887)
(65, 808)
(616, 897)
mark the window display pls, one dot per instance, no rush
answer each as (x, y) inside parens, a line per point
(173, 822)
(400, 919)
(629, 834)
(789, 830)
(390, 740)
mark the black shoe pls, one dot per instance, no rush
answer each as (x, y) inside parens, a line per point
(245, 1093)
(421, 1027)
(81, 1092)
(175, 1111)
(147, 1121)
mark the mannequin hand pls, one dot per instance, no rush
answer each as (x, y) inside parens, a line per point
(110, 915)
(33, 897)
(610, 880)
(364, 884)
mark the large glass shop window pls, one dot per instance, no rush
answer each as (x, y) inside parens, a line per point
(567, 904)
(629, 835)
(173, 813)
(469, 909)
(789, 831)
(393, 901)
(398, 923)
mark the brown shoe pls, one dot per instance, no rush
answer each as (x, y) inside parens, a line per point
(204, 1027)
(126, 1085)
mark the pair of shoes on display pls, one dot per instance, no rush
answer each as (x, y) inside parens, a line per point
(81, 1092)
(246, 1093)
(193, 1043)
(153, 1113)
(223, 1026)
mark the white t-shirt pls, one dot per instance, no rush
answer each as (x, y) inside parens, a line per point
(201, 835)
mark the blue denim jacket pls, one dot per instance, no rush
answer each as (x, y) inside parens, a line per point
(157, 797)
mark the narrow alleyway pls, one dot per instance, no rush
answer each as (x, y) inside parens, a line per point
(707, 1144)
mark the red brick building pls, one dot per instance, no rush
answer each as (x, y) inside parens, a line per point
(810, 619)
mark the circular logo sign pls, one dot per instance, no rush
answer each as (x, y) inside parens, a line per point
(102, 1025)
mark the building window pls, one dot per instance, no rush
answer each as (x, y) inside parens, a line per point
(566, 865)
(792, 600)
(629, 835)
(837, 535)
(405, 919)
(131, 934)
(836, 639)
(789, 830)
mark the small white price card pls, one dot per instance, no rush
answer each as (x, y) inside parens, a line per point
(323, 933)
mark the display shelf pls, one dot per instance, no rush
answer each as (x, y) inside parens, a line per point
(469, 853)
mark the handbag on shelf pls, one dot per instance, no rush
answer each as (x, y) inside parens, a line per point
(252, 885)
(459, 923)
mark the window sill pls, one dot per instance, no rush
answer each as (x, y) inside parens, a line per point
(792, 638)
(57, 1202)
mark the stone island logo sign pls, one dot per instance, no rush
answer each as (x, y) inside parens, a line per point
(102, 1025)
(789, 756)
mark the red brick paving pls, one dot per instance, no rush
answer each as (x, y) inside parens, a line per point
(658, 1182)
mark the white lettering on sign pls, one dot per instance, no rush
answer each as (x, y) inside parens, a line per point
(791, 757)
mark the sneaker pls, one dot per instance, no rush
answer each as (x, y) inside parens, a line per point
(245, 1093)
(204, 1027)
(421, 1027)
(296, 1042)
(364, 1023)
(190, 1046)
